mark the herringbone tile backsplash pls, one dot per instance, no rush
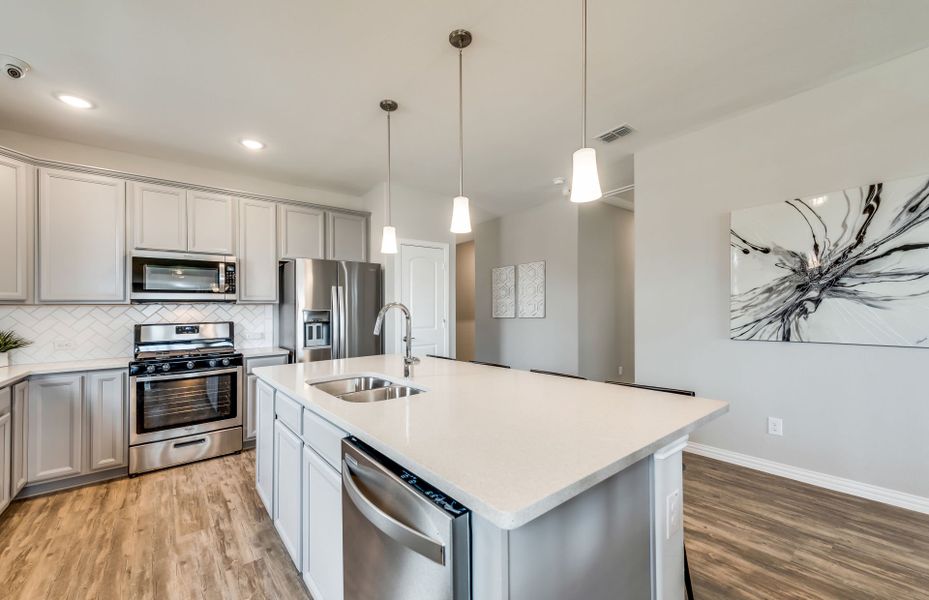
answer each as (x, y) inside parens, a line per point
(63, 333)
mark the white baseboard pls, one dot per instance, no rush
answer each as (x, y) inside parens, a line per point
(830, 482)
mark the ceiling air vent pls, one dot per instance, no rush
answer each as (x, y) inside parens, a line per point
(614, 134)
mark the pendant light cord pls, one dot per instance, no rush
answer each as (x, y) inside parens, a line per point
(584, 74)
(460, 124)
(388, 169)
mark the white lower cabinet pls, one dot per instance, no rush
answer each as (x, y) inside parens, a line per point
(264, 444)
(107, 420)
(288, 489)
(6, 448)
(20, 402)
(55, 427)
(322, 527)
(250, 418)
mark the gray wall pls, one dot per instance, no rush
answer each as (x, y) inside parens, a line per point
(850, 411)
(605, 292)
(547, 232)
(464, 313)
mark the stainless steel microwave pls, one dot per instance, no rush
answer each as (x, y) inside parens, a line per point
(179, 277)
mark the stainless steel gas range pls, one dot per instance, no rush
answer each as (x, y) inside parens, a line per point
(185, 395)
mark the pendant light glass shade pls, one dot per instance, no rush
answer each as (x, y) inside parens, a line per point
(585, 181)
(461, 215)
(389, 240)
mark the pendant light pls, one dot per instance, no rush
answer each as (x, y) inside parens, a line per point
(461, 212)
(389, 236)
(585, 181)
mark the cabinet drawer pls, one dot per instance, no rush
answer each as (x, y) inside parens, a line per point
(264, 361)
(289, 412)
(324, 437)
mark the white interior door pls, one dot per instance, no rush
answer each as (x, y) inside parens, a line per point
(424, 290)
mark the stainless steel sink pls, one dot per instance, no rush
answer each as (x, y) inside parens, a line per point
(390, 392)
(340, 387)
(365, 389)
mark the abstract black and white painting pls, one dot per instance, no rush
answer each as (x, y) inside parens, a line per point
(849, 267)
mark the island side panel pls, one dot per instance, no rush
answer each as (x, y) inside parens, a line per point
(594, 546)
(668, 527)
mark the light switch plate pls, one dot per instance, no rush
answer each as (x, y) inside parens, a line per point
(63, 345)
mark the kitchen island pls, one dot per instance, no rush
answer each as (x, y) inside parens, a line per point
(575, 486)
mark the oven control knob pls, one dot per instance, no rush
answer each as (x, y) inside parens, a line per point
(225, 362)
(150, 369)
(212, 362)
(190, 364)
(166, 367)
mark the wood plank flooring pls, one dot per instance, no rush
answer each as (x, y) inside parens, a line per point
(753, 535)
(197, 531)
(200, 531)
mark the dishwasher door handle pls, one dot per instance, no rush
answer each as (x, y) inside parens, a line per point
(389, 526)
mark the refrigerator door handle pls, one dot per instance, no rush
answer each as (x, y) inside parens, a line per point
(336, 324)
(343, 337)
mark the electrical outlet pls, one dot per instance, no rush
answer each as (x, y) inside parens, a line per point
(254, 335)
(63, 345)
(775, 426)
(620, 371)
(673, 513)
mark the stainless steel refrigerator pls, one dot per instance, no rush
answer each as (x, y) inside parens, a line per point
(328, 308)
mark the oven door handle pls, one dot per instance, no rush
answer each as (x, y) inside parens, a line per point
(186, 375)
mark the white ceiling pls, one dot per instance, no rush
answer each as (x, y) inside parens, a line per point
(185, 80)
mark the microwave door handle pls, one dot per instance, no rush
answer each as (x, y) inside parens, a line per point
(389, 526)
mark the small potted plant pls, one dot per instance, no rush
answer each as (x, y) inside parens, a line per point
(9, 340)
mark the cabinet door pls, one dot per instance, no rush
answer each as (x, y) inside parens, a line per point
(288, 489)
(211, 223)
(16, 202)
(257, 277)
(250, 424)
(264, 444)
(82, 241)
(348, 237)
(6, 442)
(322, 527)
(301, 232)
(54, 429)
(106, 419)
(20, 400)
(159, 217)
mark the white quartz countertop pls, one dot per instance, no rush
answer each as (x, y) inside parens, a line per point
(509, 444)
(15, 373)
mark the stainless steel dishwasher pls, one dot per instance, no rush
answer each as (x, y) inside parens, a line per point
(402, 539)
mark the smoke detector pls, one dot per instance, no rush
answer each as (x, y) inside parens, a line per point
(14, 67)
(615, 133)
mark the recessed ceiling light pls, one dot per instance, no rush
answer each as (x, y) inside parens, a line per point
(252, 144)
(74, 101)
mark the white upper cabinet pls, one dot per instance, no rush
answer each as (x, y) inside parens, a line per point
(179, 220)
(16, 204)
(257, 277)
(301, 231)
(211, 223)
(82, 239)
(348, 237)
(159, 217)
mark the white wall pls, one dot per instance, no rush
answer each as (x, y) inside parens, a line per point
(850, 411)
(548, 232)
(417, 215)
(605, 292)
(58, 150)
